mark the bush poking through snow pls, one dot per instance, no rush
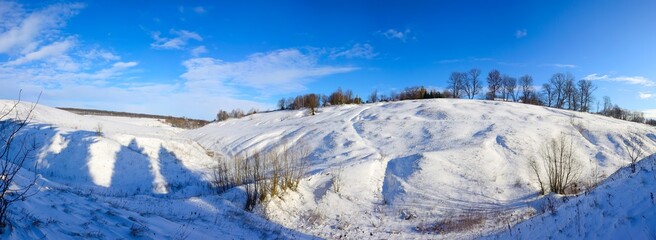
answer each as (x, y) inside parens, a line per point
(596, 176)
(461, 223)
(14, 151)
(337, 180)
(633, 147)
(560, 167)
(262, 174)
(99, 130)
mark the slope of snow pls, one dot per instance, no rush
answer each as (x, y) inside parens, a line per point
(407, 166)
(146, 122)
(138, 180)
(623, 207)
(407, 170)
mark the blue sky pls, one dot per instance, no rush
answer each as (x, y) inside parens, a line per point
(193, 58)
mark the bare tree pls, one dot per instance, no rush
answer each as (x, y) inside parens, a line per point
(494, 84)
(570, 93)
(547, 94)
(472, 85)
(633, 148)
(526, 84)
(237, 113)
(325, 101)
(348, 94)
(586, 88)
(222, 116)
(557, 82)
(536, 168)
(559, 165)
(14, 153)
(608, 105)
(373, 97)
(282, 104)
(337, 97)
(509, 86)
(311, 101)
(456, 83)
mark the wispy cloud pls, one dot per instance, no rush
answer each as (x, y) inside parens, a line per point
(559, 65)
(358, 50)
(447, 61)
(46, 52)
(520, 33)
(39, 56)
(200, 10)
(22, 32)
(646, 95)
(275, 72)
(511, 64)
(396, 34)
(633, 80)
(479, 59)
(95, 54)
(40, 51)
(197, 51)
(179, 41)
(469, 59)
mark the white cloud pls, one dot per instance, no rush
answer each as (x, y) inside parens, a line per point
(395, 34)
(645, 95)
(200, 10)
(275, 72)
(635, 80)
(124, 65)
(95, 54)
(180, 40)
(650, 113)
(34, 37)
(198, 51)
(357, 51)
(520, 33)
(559, 65)
(21, 32)
(44, 58)
(39, 54)
(53, 50)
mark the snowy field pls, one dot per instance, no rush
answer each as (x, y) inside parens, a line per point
(440, 168)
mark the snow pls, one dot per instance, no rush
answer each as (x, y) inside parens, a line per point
(140, 180)
(623, 207)
(414, 163)
(404, 168)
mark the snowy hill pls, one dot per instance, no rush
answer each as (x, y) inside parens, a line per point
(407, 167)
(413, 169)
(115, 178)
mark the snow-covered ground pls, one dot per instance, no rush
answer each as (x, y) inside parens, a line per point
(439, 168)
(406, 167)
(140, 180)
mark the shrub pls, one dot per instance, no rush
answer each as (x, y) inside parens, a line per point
(15, 150)
(263, 175)
(560, 167)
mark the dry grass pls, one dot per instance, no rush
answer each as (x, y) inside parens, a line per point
(461, 223)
